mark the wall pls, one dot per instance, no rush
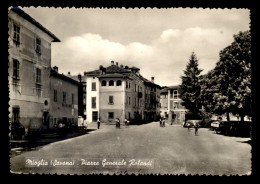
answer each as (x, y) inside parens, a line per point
(89, 96)
(118, 107)
(59, 109)
(23, 94)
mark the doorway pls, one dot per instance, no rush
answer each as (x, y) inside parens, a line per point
(94, 116)
(46, 122)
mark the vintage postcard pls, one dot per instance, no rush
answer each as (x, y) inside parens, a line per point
(130, 91)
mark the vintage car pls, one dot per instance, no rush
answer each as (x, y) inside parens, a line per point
(191, 123)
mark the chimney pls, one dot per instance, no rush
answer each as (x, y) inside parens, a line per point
(85, 73)
(152, 79)
(55, 68)
(112, 62)
(116, 63)
(68, 73)
(79, 77)
(101, 69)
(121, 66)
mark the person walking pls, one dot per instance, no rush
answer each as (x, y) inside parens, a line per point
(160, 122)
(117, 123)
(163, 122)
(98, 123)
(125, 122)
(196, 127)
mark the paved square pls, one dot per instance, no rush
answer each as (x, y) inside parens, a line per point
(173, 150)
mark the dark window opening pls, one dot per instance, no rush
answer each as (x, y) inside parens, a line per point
(111, 100)
(55, 99)
(111, 115)
(94, 86)
(103, 83)
(118, 83)
(93, 104)
(64, 97)
(38, 45)
(16, 68)
(16, 35)
(111, 83)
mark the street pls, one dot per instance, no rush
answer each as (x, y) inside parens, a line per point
(170, 149)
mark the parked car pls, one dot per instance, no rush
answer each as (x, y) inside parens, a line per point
(82, 124)
(63, 126)
(191, 122)
(214, 125)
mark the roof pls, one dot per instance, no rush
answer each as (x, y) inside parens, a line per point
(173, 87)
(166, 88)
(113, 75)
(34, 22)
(64, 77)
(114, 71)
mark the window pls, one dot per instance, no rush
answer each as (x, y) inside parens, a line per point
(38, 45)
(72, 99)
(126, 86)
(111, 83)
(55, 95)
(129, 100)
(16, 35)
(176, 105)
(135, 87)
(175, 94)
(16, 69)
(129, 84)
(16, 114)
(111, 115)
(94, 104)
(64, 97)
(111, 100)
(93, 86)
(171, 93)
(103, 83)
(38, 76)
(118, 83)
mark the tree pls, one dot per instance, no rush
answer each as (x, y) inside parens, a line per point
(190, 87)
(227, 88)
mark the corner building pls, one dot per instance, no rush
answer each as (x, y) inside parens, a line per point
(119, 92)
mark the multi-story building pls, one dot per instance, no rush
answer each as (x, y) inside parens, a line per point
(119, 92)
(64, 100)
(29, 70)
(171, 107)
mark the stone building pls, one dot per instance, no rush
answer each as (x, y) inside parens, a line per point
(171, 107)
(29, 70)
(120, 92)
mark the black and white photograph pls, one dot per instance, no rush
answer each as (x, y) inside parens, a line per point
(161, 91)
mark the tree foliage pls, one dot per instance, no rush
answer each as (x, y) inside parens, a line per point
(227, 88)
(190, 87)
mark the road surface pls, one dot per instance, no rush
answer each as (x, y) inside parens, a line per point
(151, 150)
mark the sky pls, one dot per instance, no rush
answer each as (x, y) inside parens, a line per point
(158, 41)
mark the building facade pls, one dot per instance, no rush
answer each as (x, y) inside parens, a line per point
(119, 92)
(171, 107)
(63, 100)
(29, 70)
